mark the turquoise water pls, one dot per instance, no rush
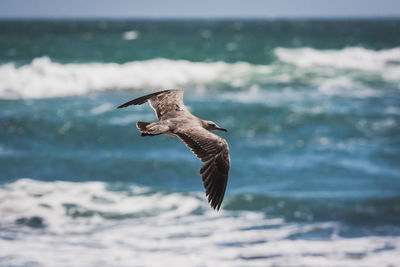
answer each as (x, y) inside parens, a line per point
(312, 110)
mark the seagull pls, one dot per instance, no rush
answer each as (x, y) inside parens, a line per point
(176, 120)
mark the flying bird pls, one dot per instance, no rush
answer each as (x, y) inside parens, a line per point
(175, 120)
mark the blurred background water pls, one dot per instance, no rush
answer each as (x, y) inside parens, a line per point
(313, 112)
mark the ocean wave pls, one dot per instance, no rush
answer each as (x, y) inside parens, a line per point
(347, 58)
(59, 203)
(112, 223)
(45, 78)
(329, 70)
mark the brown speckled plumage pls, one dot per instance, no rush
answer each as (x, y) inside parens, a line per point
(175, 120)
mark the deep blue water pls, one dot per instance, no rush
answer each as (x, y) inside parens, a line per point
(312, 110)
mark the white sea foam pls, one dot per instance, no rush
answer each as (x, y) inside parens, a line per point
(350, 57)
(130, 35)
(102, 108)
(345, 86)
(327, 69)
(45, 78)
(90, 224)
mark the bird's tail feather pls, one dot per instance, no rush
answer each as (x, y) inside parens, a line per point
(142, 126)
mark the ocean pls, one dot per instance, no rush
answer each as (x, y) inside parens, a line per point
(312, 109)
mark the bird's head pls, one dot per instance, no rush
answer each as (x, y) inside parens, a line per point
(210, 125)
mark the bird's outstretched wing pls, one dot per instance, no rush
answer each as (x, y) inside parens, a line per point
(214, 153)
(166, 104)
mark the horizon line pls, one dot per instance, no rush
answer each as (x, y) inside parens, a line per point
(204, 18)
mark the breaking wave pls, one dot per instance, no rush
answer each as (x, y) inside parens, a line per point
(130, 224)
(347, 58)
(329, 71)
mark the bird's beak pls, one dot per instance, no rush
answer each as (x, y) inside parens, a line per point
(221, 129)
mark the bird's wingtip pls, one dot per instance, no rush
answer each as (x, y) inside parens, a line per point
(125, 105)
